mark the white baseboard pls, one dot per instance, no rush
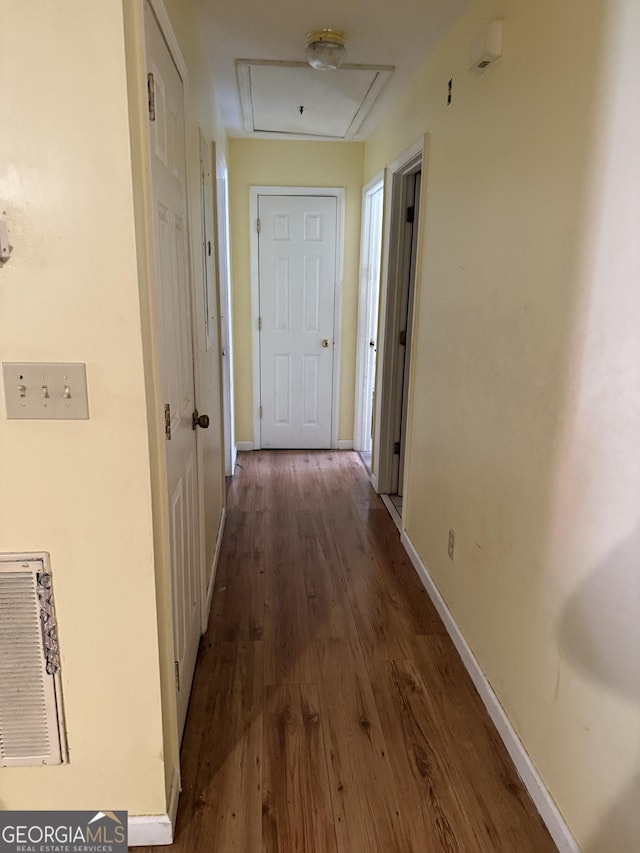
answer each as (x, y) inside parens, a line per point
(374, 482)
(555, 823)
(156, 829)
(345, 444)
(214, 568)
(234, 458)
(244, 445)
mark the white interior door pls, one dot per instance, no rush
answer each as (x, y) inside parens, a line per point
(297, 283)
(368, 314)
(168, 163)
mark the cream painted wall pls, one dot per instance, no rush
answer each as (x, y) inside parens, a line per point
(80, 489)
(526, 366)
(307, 164)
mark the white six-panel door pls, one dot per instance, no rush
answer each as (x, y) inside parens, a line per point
(297, 284)
(168, 165)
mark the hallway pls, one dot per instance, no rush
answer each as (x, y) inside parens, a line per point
(330, 710)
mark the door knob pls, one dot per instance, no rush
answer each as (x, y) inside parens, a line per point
(325, 343)
(200, 420)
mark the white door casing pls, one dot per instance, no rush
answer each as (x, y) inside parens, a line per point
(175, 332)
(396, 176)
(405, 324)
(368, 299)
(297, 263)
(226, 337)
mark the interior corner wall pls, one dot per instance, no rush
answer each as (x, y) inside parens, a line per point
(80, 489)
(525, 410)
(259, 162)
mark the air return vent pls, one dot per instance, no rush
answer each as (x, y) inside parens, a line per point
(31, 725)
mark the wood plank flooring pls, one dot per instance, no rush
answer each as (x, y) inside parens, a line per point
(330, 711)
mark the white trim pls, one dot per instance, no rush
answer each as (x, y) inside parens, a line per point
(395, 174)
(255, 309)
(364, 307)
(206, 604)
(344, 444)
(254, 193)
(150, 830)
(234, 459)
(156, 829)
(393, 511)
(400, 163)
(226, 330)
(373, 478)
(543, 801)
(245, 445)
(166, 27)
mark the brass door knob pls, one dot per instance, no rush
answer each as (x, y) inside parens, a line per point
(201, 421)
(325, 343)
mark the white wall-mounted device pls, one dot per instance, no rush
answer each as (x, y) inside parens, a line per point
(486, 48)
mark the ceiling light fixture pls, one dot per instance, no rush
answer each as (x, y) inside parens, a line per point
(325, 49)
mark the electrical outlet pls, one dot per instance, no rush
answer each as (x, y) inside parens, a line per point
(452, 543)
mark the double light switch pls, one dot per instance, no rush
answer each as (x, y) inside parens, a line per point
(45, 391)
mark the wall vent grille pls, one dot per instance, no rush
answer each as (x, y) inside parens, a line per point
(31, 721)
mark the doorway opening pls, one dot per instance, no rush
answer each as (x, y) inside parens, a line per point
(396, 326)
(369, 295)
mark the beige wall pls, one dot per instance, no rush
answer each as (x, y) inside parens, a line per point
(306, 164)
(80, 489)
(525, 415)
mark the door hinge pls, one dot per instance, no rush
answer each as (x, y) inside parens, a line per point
(151, 92)
(167, 421)
(396, 448)
(411, 212)
(260, 411)
(176, 668)
(402, 338)
(258, 225)
(259, 324)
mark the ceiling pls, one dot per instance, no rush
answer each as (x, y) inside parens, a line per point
(345, 104)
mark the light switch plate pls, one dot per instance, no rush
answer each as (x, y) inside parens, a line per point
(45, 391)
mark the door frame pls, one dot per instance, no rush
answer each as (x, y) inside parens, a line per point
(339, 194)
(364, 307)
(226, 335)
(387, 362)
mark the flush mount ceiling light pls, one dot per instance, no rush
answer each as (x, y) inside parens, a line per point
(325, 49)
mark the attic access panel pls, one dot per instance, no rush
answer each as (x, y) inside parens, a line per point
(334, 103)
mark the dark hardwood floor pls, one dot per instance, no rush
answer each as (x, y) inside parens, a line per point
(330, 711)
